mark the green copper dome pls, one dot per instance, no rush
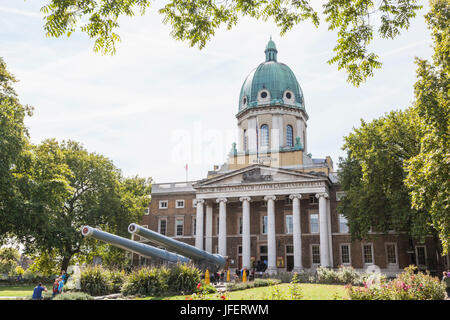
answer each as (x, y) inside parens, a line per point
(271, 83)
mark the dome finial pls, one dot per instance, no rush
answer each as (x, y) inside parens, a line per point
(271, 51)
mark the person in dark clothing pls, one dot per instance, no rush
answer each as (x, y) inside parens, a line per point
(37, 292)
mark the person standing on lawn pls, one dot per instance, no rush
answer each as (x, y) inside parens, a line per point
(37, 292)
(61, 285)
(55, 287)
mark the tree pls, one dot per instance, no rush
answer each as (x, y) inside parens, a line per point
(13, 145)
(429, 171)
(372, 175)
(196, 21)
(396, 174)
(8, 259)
(65, 187)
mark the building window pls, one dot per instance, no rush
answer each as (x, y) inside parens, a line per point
(289, 224)
(179, 204)
(194, 225)
(264, 225)
(163, 204)
(313, 199)
(421, 255)
(264, 135)
(217, 225)
(162, 226)
(314, 223)
(368, 253)
(345, 254)
(391, 253)
(289, 136)
(147, 211)
(343, 224)
(289, 249)
(240, 225)
(315, 254)
(179, 224)
(245, 140)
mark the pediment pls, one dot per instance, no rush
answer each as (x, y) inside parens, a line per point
(258, 174)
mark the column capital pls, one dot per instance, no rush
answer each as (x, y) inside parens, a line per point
(322, 194)
(199, 201)
(245, 198)
(270, 198)
(221, 200)
(297, 195)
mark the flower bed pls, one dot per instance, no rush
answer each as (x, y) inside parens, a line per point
(406, 286)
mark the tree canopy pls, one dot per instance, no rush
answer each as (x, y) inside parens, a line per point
(48, 191)
(65, 187)
(197, 21)
(429, 171)
(13, 144)
(396, 173)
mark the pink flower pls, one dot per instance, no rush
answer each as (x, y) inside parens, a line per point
(199, 285)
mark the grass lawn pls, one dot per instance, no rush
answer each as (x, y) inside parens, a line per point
(309, 291)
(19, 291)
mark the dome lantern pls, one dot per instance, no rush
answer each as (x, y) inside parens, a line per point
(271, 51)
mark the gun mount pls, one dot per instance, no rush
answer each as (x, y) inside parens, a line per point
(133, 246)
(201, 258)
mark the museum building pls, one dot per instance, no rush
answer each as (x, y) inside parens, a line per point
(271, 201)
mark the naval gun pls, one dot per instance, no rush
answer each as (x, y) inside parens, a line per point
(203, 259)
(133, 246)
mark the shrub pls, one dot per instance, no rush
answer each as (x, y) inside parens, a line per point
(73, 296)
(348, 275)
(295, 291)
(116, 280)
(95, 281)
(406, 286)
(327, 275)
(206, 288)
(147, 281)
(183, 278)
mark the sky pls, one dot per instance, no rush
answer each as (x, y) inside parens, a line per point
(158, 104)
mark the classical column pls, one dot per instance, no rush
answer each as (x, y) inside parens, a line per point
(209, 226)
(199, 223)
(222, 226)
(323, 229)
(271, 240)
(297, 232)
(330, 234)
(246, 232)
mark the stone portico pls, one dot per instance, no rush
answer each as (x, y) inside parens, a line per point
(267, 183)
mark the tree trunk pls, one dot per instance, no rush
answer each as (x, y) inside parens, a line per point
(65, 263)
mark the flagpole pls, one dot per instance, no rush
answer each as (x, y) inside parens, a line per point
(186, 167)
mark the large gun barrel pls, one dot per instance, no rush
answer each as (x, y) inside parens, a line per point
(200, 257)
(133, 246)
